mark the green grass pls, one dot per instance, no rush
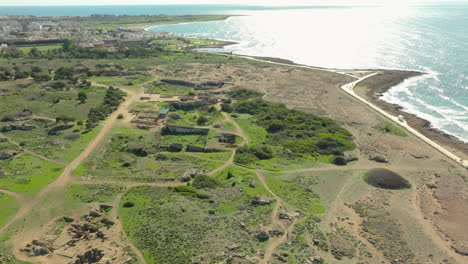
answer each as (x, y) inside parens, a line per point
(57, 147)
(40, 48)
(297, 191)
(87, 193)
(45, 103)
(197, 140)
(8, 208)
(255, 133)
(219, 156)
(169, 89)
(228, 126)
(28, 174)
(180, 218)
(132, 80)
(391, 129)
(7, 145)
(117, 161)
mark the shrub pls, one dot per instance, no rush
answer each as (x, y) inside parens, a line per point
(300, 132)
(202, 120)
(226, 107)
(244, 94)
(392, 129)
(120, 116)
(128, 204)
(203, 181)
(386, 179)
(189, 191)
(245, 158)
(174, 116)
(339, 160)
(82, 97)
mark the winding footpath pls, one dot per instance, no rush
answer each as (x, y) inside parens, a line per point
(66, 176)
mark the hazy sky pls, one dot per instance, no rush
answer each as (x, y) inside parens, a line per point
(249, 2)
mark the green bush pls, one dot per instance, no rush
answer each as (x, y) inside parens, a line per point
(244, 94)
(189, 191)
(203, 181)
(392, 129)
(245, 154)
(202, 120)
(300, 132)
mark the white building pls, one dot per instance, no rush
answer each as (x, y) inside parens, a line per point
(35, 27)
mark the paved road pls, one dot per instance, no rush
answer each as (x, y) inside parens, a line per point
(349, 88)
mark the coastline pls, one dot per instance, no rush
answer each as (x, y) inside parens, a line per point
(371, 89)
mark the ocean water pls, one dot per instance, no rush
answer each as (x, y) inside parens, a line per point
(432, 39)
(174, 10)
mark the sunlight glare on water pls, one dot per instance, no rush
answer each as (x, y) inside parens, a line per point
(427, 39)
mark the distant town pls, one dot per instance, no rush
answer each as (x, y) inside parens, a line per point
(96, 31)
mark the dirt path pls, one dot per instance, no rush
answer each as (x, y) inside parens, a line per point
(239, 130)
(431, 231)
(66, 176)
(123, 236)
(336, 209)
(275, 221)
(18, 196)
(273, 243)
(228, 163)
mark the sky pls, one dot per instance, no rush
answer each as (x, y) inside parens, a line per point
(244, 2)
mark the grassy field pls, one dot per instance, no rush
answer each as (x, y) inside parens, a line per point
(190, 117)
(297, 191)
(202, 227)
(40, 48)
(87, 193)
(164, 88)
(132, 80)
(63, 147)
(8, 207)
(28, 174)
(255, 133)
(134, 155)
(50, 103)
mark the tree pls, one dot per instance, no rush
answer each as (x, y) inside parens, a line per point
(201, 120)
(36, 69)
(82, 97)
(34, 53)
(41, 77)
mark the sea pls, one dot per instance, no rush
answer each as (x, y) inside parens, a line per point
(431, 38)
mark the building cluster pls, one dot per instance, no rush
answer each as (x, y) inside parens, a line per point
(17, 28)
(30, 28)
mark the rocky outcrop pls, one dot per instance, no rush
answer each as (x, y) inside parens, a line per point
(262, 200)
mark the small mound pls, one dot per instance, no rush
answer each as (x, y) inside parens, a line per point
(386, 179)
